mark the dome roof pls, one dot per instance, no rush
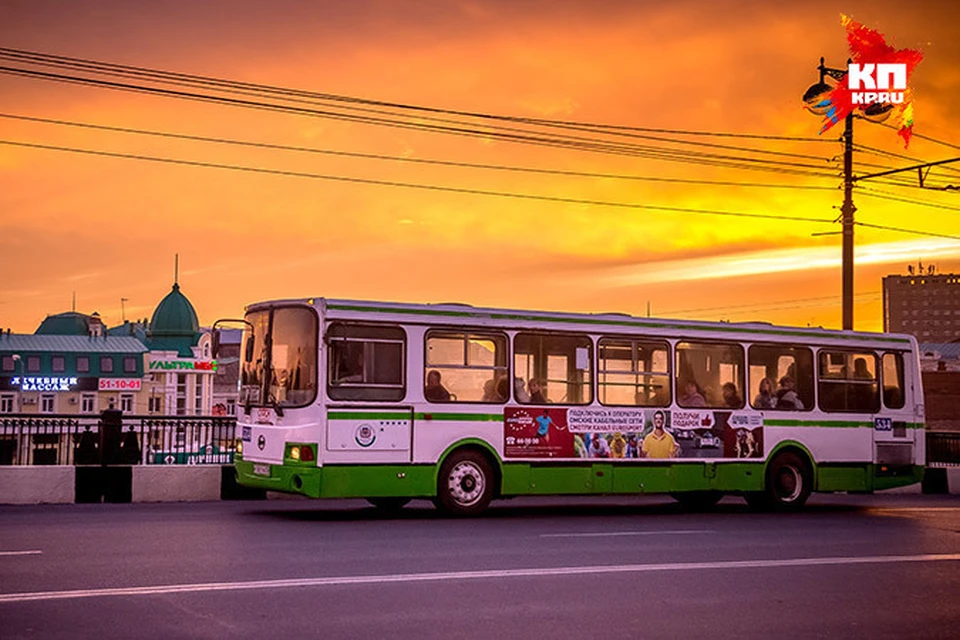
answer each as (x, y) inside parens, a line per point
(69, 323)
(174, 316)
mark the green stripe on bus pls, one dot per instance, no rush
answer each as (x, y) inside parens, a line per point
(816, 423)
(623, 323)
(830, 423)
(461, 417)
(367, 415)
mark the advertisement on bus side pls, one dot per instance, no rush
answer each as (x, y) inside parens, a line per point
(625, 433)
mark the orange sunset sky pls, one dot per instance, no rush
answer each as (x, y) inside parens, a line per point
(108, 228)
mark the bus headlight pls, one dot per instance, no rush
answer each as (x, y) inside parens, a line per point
(240, 447)
(295, 453)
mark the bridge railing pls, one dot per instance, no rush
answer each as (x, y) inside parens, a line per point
(943, 449)
(56, 439)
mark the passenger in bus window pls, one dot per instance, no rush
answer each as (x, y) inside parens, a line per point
(518, 390)
(691, 396)
(351, 365)
(860, 371)
(731, 398)
(434, 391)
(536, 391)
(765, 398)
(490, 392)
(787, 397)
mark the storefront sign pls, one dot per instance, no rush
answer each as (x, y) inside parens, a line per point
(200, 366)
(120, 384)
(44, 384)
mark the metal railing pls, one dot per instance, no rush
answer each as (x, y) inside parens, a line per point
(943, 449)
(57, 439)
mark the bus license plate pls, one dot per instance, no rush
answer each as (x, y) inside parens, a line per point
(247, 434)
(261, 469)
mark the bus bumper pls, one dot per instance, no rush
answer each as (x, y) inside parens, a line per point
(303, 480)
(889, 476)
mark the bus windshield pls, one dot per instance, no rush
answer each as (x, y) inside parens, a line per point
(279, 357)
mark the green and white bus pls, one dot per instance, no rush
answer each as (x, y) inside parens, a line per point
(462, 405)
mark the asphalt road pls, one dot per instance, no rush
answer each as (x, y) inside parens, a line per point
(848, 566)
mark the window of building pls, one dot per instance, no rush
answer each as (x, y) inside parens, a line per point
(366, 362)
(83, 364)
(231, 407)
(48, 403)
(106, 364)
(88, 403)
(709, 375)
(33, 364)
(893, 396)
(633, 372)
(552, 368)
(781, 378)
(198, 396)
(129, 364)
(848, 382)
(126, 402)
(155, 404)
(181, 394)
(7, 363)
(6, 403)
(58, 364)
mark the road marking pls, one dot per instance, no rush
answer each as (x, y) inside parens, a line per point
(468, 575)
(915, 509)
(32, 552)
(611, 534)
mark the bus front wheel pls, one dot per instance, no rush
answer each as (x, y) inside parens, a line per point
(788, 484)
(465, 485)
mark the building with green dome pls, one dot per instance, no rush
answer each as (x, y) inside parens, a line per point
(74, 364)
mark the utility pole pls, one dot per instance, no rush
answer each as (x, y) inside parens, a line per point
(847, 211)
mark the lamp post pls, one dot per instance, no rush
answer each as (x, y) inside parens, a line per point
(19, 361)
(818, 102)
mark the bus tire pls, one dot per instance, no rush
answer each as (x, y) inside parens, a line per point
(698, 500)
(389, 505)
(788, 484)
(465, 484)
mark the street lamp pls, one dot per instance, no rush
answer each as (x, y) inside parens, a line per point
(817, 101)
(17, 359)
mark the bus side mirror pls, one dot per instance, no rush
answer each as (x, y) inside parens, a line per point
(248, 349)
(215, 347)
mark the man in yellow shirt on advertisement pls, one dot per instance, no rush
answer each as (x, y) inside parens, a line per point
(659, 443)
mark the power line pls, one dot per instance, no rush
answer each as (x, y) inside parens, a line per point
(864, 297)
(508, 135)
(910, 231)
(411, 185)
(44, 59)
(883, 195)
(371, 156)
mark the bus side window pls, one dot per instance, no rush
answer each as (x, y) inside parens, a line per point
(709, 375)
(633, 372)
(893, 396)
(558, 366)
(465, 366)
(848, 382)
(366, 362)
(781, 377)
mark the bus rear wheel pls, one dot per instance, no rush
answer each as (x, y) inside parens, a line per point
(389, 505)
(788, 484)
(465, 484)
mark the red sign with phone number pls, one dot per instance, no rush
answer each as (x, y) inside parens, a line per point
(120, 384)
